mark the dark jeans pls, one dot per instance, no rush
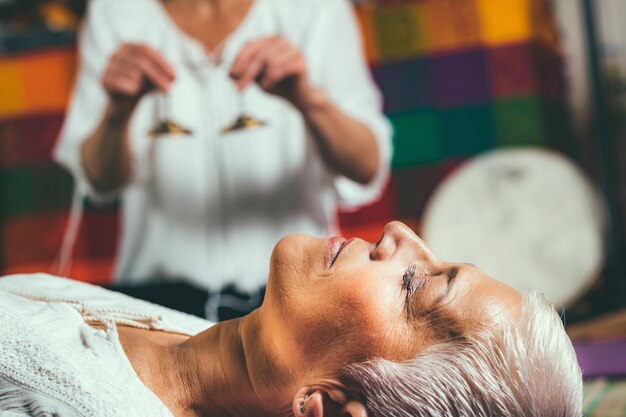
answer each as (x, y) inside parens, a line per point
(229, 303)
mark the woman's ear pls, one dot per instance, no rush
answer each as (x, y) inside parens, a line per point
(326, 402)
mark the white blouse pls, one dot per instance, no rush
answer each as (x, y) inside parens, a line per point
(54, 364)
(209, 208)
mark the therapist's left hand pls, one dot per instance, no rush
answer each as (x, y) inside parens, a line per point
(278, 67)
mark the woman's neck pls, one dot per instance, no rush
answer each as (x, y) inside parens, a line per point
(228, 370)
(222, 17)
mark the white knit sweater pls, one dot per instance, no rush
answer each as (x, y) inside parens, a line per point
(53, 364)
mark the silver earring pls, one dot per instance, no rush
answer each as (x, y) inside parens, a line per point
(302, 404)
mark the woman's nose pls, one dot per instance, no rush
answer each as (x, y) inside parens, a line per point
(399, 239)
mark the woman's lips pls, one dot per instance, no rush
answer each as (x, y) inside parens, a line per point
(335, 246)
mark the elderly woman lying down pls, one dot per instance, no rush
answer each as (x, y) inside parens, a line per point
(347, 328)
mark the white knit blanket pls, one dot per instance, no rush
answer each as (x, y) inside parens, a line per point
(53, 364)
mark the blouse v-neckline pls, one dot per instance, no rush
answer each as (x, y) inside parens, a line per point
(215, 54)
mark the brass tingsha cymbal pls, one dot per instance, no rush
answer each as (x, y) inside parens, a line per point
(244, 122)
(169, 128)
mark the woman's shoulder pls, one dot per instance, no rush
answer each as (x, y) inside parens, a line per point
(299, 10)
(296, 5)
(300, 20)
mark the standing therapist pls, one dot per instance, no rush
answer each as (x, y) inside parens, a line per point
(207, 209)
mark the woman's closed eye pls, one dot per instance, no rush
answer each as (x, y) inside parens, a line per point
(410, 283)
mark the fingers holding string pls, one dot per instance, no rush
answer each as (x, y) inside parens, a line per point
(120, 81)
(251, 63)
(132, 61)
(287, 63)
(154, 68)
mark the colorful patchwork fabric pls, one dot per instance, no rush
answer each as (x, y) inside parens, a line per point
(459, 77)
(605, 398)
(34, 192)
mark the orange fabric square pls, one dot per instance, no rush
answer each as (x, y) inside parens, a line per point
(47, 80)
(368, 33)
(451, 24)
(545, 25)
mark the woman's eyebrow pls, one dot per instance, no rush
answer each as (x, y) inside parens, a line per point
(452, 272)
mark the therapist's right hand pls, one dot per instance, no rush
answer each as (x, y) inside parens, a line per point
(134, 70)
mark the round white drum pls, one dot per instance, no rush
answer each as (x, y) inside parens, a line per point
(527, 217)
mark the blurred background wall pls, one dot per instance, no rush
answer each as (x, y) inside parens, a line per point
(459, 77)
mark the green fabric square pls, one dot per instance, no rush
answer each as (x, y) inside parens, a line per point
(34, 189)
(520, 122)
(416, 138)
(467, 130)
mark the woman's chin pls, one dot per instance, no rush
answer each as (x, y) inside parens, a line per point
(298, 257)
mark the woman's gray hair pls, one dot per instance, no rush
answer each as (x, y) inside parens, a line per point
(522, 369)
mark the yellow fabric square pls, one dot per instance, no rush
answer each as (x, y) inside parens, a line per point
(505, 21)
(11, 93)
(399, 31)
